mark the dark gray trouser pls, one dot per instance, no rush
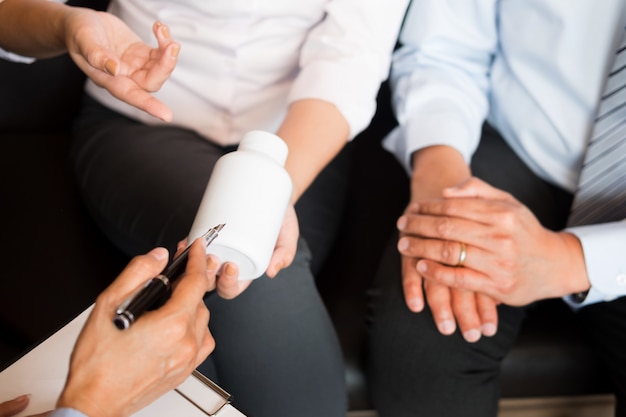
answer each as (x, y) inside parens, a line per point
(415, 371)
(277, 352)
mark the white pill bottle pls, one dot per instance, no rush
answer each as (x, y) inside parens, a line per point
(249, 192)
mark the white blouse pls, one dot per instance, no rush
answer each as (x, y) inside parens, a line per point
(242, 62)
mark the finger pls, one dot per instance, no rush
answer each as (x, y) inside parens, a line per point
(412, 285)
(206, 347)
(204, 338)
(196, 281)
(476, 188)
(281, 259)
(162, 34)
(181, 246)
(213, 267)
(488, 312)
(139, 270)
(286, 244)
(444, 227)
(440, 303)
(462, 278)
(448, 252)
(457, 212)
(167, 47)
(165, 61)
(98, 59)
(228, 284)
(466, 313)
(127, 90)
(165, 58)
(14, 406)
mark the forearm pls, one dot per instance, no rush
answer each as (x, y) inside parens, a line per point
(571, 271)
(33, 28)
(315, 131)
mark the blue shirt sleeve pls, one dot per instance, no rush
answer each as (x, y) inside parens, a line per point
(603, 247)
(440, 76)
(66, 412)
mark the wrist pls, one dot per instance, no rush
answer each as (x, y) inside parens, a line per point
(573, 278)
(83, 402)
(68, 412)
(436, 168)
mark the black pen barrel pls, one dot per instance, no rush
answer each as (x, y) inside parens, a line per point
(156, 290)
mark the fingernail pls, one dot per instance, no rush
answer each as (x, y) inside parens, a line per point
(403, 243)
(489, 329)
(165, 30)
(230, 270)
(159, 253)
(446, 327)
(472, 335)
(175, 51)
(421, 266)
(401, 224)
(278, 268)
(110, 66)
(212, 264)
(416, 304)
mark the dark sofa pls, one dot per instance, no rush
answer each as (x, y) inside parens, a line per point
(56, 261)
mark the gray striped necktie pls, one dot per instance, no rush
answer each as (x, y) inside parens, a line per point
(601, 193)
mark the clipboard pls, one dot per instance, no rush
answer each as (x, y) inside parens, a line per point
(42, 372)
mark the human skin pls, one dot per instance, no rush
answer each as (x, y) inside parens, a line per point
(436, 168)
(115, 373)
(100, 44)
(511, 257)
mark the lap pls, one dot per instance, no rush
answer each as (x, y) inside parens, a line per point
(415, 370)
(275, 341)
(143, 184)
(413, 367)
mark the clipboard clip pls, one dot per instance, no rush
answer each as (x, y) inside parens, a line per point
(204, 394)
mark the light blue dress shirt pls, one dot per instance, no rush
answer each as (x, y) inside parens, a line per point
(535, 70)
(66, 412)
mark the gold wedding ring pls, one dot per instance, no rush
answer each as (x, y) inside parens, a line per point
(462, 255)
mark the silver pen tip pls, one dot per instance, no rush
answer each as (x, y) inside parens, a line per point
(214, 230)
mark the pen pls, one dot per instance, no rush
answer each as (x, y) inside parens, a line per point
(156, 290)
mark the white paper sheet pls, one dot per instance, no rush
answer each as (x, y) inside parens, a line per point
(42, 371)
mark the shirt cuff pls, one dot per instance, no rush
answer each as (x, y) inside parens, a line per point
(592, 297)
(66, 412)
(10, 56)
(603, 246)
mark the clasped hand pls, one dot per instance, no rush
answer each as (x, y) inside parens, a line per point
(510, 257)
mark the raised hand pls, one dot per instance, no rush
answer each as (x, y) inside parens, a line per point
(116, 59)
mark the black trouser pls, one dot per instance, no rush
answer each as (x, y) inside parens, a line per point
(416, 371)
(276, 350)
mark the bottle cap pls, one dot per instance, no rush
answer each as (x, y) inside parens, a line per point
(265, 143)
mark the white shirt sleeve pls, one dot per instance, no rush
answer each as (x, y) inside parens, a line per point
(604, 248)
(10, 56)
(440, 76)
(66, 412)
(347, 56)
